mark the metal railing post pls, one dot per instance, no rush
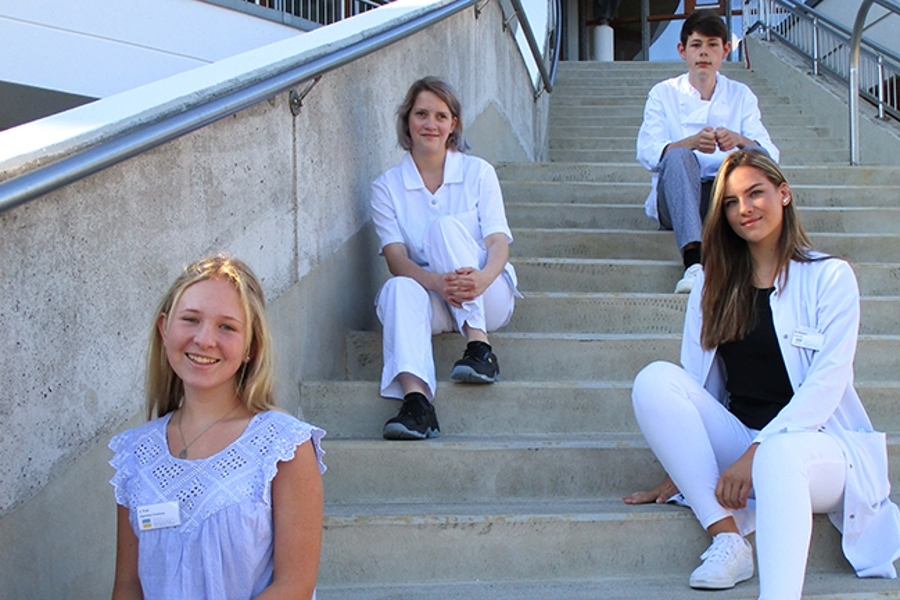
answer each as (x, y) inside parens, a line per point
(816, 46)
(766, 6)
(880, 86)
(853, 91)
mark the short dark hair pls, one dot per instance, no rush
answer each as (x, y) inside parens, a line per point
(445, 92)
(705, 22)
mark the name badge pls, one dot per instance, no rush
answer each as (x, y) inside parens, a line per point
(157, 516)
(810, 339)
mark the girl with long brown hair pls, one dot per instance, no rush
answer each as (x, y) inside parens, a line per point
(762, 413)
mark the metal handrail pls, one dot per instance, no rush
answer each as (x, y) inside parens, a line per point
(807, 31)
(547, 77)
(855, 42)
(202, 112)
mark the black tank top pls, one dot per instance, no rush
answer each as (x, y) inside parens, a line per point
(757, 380)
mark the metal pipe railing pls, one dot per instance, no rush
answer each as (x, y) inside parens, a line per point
(536, 53)
(18, 190)
(838, 51)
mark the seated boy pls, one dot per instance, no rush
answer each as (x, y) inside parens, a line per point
(690, 123)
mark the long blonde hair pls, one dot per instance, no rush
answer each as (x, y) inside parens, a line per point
(727, 302)
(255, 379)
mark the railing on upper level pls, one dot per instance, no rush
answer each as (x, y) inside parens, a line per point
(183, 119)
(302, 14)
(870, 70)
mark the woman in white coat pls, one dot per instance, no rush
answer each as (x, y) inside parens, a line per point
(440, 219)
(763, 413)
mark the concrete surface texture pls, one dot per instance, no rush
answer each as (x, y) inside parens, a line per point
(85, 265)
(520, 497)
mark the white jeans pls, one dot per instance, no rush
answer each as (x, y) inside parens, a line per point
(410, 314)
(794, 474)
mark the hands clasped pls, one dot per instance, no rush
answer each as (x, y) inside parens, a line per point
(708, 139)
(463, 285)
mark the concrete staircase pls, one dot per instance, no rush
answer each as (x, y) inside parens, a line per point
(520, 497)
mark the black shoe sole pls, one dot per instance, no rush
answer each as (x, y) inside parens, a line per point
(396, 431)
(466, 374)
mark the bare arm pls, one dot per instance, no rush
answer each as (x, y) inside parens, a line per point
(297, 522)
(127, 585)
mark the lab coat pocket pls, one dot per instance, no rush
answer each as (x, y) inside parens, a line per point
(869, 465)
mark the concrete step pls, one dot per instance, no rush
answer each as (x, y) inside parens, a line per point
(647, 245)
(354, 409)
(656, 276)
(642, 586)
(525, 541)
(632, 216)
(793, 154)
(634, 193)
(587, 356)
(627, 145)
(632, 117)
(636, 111)
(548, 312)
(783, 134)
(631, 171)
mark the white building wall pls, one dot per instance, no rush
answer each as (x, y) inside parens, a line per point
(98, 48)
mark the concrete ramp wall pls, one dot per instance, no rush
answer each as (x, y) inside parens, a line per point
(83, 267)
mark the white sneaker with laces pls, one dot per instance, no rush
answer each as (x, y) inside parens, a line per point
(727, 561)
(686, 284)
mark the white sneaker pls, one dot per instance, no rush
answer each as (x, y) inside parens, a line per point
(728, 561)
(686, 284)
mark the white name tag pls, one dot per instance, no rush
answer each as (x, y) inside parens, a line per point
(157, 516)
(810, 339)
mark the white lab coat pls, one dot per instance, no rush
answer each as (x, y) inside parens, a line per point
(819, 306)
(674, 110)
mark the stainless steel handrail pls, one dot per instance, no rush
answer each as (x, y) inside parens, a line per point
(841, 58)
(853, 93)
(42, 180)
(546, 77)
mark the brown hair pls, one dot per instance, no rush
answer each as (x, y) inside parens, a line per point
(445, 92)
(254, 381)
(705, 22)
(727, 302)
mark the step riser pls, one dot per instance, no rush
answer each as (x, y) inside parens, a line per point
(528, 547)
(632, 216)
(563, 193)
(657, 277)
(354, 410)
(789, 156)
(650, 245)
(535, 357)
(652, 315)
(632, 172)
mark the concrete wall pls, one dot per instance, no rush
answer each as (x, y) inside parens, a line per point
(791, 75)
(84, 266)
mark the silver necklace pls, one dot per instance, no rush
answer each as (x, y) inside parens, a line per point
(184, 450)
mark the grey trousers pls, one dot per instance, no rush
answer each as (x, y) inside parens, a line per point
(679, 195)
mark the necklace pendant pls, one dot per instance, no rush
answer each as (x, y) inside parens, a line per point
(183, 453)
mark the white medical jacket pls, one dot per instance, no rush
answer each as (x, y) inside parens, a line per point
(674, 110)
(816, 318)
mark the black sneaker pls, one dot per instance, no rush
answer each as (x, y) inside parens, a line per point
(478, 365)
(416, 420)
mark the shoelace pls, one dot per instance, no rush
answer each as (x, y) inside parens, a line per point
(721, 551)
(414, 410)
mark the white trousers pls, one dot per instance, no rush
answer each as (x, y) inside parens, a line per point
(410, 314)
(795, 474)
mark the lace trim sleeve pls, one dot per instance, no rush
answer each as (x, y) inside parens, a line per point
(285, 434)
(123, 462)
